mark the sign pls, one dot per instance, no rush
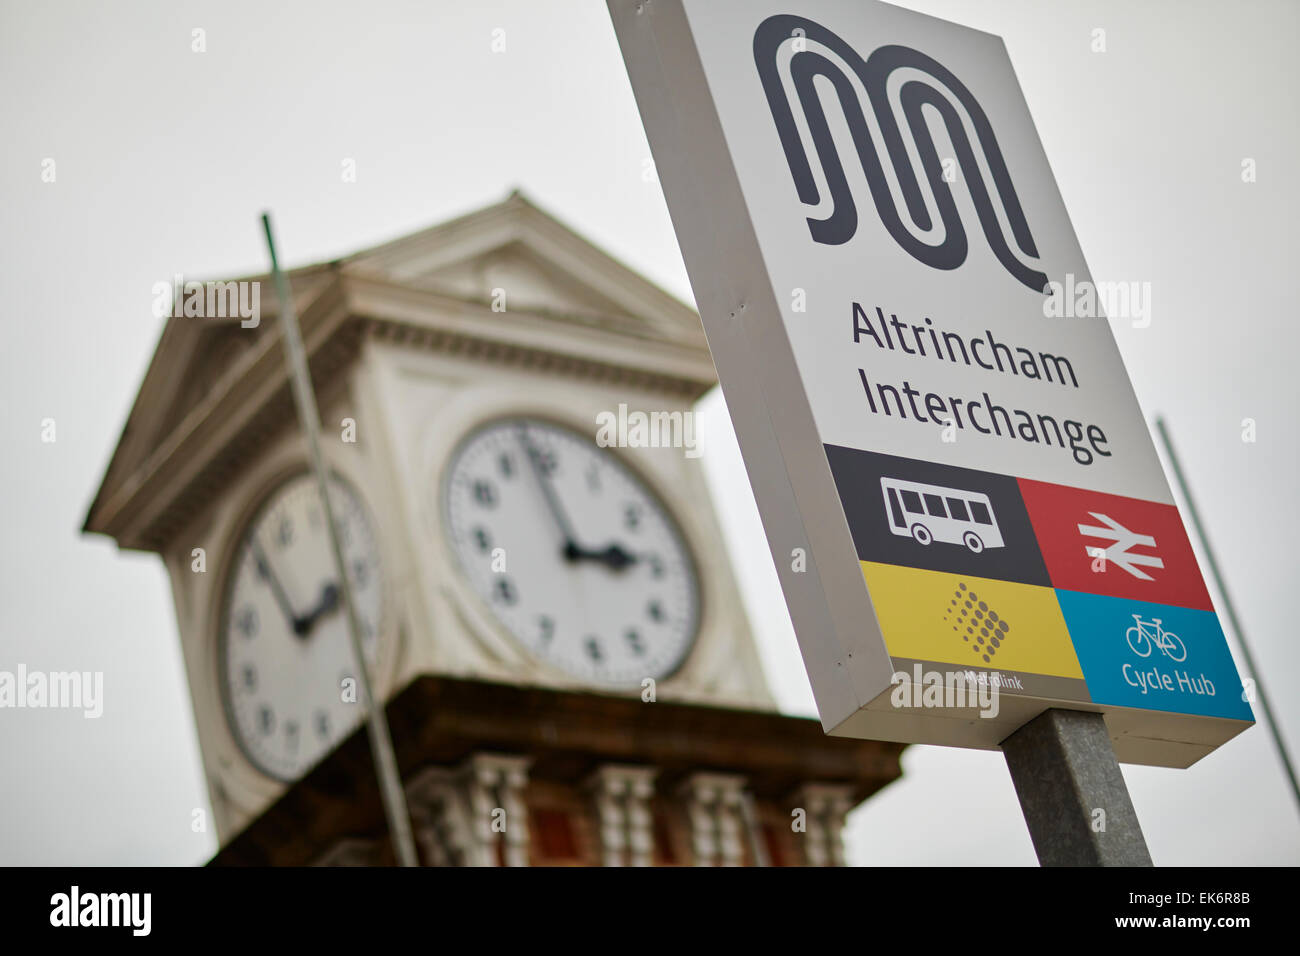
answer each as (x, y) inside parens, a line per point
(950, 461)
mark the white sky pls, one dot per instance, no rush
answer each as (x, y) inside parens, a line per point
(165, 158)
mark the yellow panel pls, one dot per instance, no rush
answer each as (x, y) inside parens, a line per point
(957, 618)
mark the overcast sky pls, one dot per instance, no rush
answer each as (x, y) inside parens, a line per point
(164, 159)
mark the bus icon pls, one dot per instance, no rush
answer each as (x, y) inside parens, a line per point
(928, 513)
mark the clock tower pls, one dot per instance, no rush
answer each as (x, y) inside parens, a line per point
(546, 602)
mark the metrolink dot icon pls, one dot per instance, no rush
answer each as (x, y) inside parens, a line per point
(981, 627)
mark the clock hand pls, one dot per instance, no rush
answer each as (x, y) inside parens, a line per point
(265, 572)
(613, 556)
(329, 601)
(548, 492)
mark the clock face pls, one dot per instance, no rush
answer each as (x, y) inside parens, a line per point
(283, 646)
(578, 560)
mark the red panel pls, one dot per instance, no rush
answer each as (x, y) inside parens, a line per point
(1163, 572)
(554, 833)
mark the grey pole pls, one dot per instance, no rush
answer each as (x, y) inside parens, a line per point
(1228, 606)
(381, 741)
(1072, 792)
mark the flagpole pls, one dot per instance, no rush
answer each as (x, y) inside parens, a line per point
(1228, 606)
(381, 741)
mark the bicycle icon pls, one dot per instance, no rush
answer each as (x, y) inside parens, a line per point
(1146, 634)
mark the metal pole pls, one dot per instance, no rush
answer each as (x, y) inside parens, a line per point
(1072, 792)
(1228, 606)
(381, 742)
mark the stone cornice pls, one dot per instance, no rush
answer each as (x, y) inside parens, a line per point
(250, 404)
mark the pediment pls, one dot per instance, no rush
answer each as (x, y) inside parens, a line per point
(511, 249)
(540, 264)
(520, 279)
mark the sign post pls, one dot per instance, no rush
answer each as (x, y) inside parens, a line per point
(1072, 792)
(961, 496)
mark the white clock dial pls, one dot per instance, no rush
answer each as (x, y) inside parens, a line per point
(572, 553)
(283, 647)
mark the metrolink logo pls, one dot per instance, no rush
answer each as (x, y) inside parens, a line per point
(792, 52)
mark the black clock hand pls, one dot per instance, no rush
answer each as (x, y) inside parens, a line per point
(329, 601)
(552, 500)
(613, 556)
(266, 574)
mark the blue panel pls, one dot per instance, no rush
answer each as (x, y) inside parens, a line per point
(1181, 665)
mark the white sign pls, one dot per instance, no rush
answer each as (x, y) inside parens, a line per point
(928, 398)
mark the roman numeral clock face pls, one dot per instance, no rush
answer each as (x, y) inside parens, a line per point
(571, 552)
(283, 645)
